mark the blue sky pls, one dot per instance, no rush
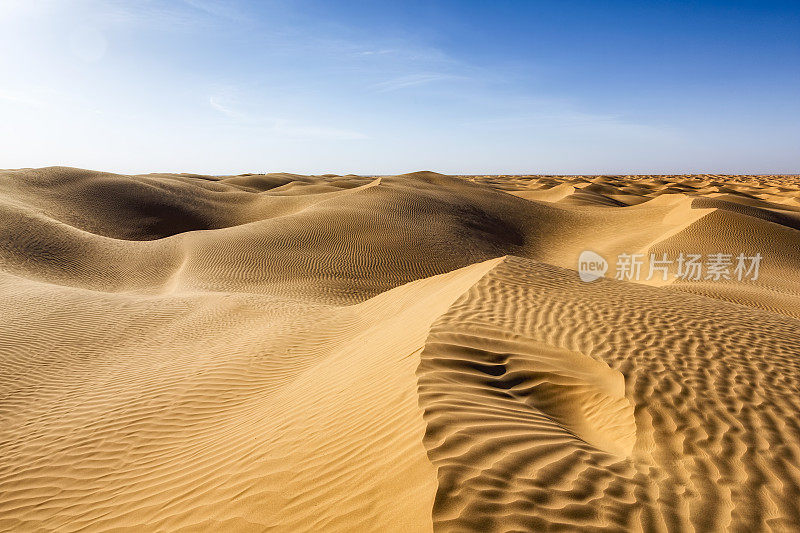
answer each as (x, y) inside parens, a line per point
(387, 87)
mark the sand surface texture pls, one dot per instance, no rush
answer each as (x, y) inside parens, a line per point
(399, 353)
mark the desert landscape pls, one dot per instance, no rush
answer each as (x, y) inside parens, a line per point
(397, 353)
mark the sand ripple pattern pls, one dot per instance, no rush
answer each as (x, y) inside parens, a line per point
(713, 401)
(393, 353)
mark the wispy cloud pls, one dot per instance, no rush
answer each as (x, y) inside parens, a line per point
(381, 52)
(219, 8)
(560, 116)
(152, 14)
(413, 80)
(285, 128)
(225, 109)
(19, 98)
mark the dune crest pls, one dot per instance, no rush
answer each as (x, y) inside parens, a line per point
(394, 353)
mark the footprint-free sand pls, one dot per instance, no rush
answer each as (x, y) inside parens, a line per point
(396, 353)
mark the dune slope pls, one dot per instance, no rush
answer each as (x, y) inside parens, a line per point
(550, 402)
(395, 353)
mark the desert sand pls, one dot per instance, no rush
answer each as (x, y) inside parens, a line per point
(394, 353)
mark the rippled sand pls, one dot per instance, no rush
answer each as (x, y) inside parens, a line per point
(396, 353)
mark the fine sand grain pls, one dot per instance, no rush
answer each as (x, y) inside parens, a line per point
(396, 353)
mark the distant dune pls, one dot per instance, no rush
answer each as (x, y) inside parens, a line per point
(395, 353)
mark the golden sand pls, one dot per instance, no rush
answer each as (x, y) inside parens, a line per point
(398, 353)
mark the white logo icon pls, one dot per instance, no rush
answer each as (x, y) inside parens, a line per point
(591, 266)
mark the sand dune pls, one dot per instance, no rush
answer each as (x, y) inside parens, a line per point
(395, 353)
